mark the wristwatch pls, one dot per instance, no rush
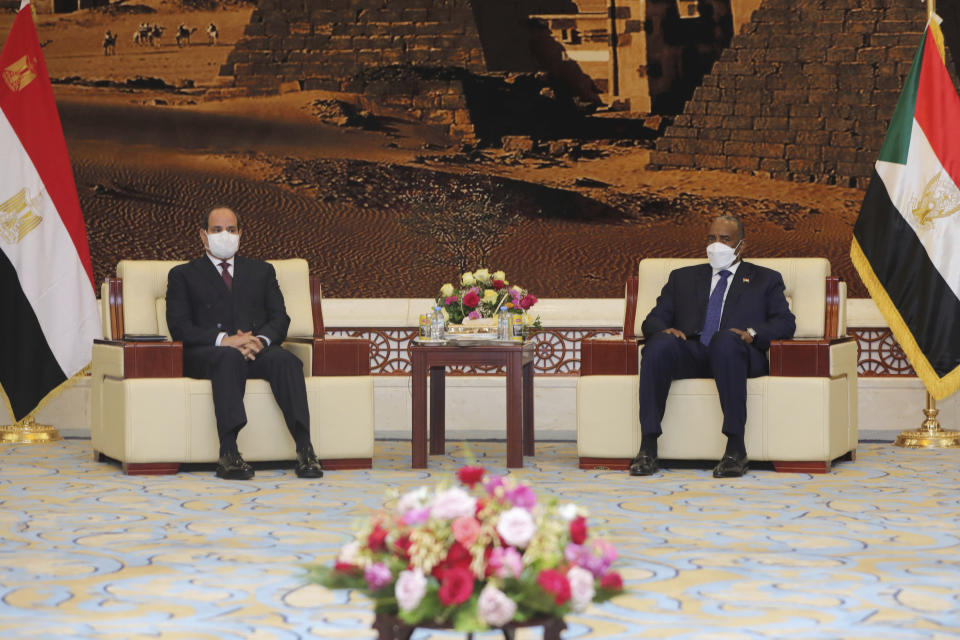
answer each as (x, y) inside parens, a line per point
(752, 332)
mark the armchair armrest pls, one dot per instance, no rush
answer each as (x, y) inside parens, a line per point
(802, 358)
(338, 356)
(609, 356)
(149, 359)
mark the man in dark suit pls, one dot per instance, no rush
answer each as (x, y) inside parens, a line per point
(229, 313)
(712, 320)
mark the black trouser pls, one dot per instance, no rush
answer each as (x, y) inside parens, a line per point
(728, 360)
(228, 371)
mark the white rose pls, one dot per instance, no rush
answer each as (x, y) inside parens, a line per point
(581, 588)
(489, 295)
(467, 279)
(569, 511)
(349, 554)
(446, 314)
(410, 589)
(413, 499)
(516, 527)
(453, 503)
(483, 275)
(495, 607)
(500, 275)
(446, 290)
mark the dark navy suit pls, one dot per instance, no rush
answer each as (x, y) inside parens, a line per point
(755, 300)
(200, 306)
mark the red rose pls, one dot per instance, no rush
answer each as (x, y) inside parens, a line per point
(470, 475)
(578, 530)
(456, 587)
(344, 567)
(527, 301)
(611, 581)
(499, 284)
(458, 557)
(554, 582)
(377, 541)
(402, 546)
(471, 299)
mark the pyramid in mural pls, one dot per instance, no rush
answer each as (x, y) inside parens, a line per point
(804, 92)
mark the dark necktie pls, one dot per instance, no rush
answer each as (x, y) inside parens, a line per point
(714, 309)
(228, 279)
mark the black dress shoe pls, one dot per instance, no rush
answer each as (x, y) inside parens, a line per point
(307, 464)
(232, 467)
(731, 466)
(645, 464)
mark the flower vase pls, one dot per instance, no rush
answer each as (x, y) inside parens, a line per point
(390, 627)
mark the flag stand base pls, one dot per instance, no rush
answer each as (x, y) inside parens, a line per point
(28, 432)
(929, 435)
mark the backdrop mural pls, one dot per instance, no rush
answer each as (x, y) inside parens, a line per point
(394, 143)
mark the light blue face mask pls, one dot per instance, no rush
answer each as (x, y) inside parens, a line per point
(721, 255)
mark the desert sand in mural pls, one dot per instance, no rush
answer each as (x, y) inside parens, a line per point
(148, 158)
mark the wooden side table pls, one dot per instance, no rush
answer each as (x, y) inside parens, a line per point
(518, 360)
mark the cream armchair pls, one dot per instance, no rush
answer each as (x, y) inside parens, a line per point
(801, 417)
(150, 418)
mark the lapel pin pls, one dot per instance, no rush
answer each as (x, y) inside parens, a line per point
(746, 280)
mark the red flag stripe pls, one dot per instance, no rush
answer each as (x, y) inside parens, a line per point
(938, 109)
(32, 113)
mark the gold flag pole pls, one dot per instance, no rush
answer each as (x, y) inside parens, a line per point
(929, 435)
(28, 432)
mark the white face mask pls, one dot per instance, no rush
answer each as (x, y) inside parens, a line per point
(720, 255)
(223, 245)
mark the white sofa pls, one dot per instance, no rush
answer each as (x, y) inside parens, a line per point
(801, 417)
(151, 419)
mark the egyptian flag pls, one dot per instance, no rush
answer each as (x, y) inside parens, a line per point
(48, 309)
(906, 242)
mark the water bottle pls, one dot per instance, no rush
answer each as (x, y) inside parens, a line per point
(437, 328)
(503, 324)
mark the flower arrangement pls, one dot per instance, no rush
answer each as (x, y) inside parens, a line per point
(481, 294)
(476, 554)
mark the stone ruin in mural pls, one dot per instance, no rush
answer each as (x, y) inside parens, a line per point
(485, 69)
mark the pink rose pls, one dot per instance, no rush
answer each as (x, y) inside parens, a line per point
(377, 575)
(506, 562)
(522, 496)
(450, 299)
(465, 530)
(495, 607)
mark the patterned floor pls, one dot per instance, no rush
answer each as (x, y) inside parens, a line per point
(869, 551)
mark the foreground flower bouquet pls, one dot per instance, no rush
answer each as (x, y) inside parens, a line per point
(481, 553)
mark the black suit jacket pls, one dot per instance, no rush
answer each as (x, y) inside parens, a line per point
(199, 305)
(755, 300)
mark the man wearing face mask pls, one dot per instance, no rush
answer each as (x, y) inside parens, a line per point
(229, 313)
(713, 320)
